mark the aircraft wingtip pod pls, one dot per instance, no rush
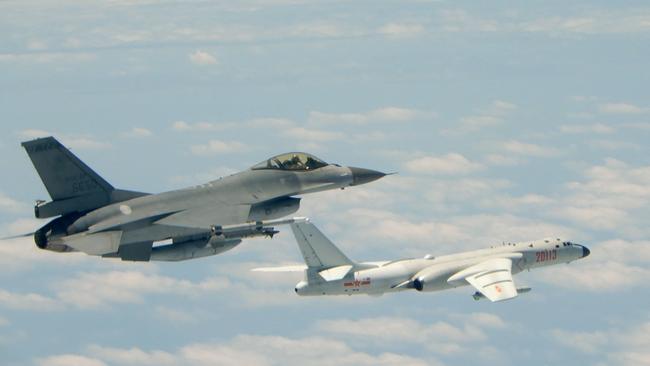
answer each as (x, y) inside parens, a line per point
(299, 220)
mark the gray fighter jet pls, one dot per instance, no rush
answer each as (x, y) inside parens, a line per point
(97, 219)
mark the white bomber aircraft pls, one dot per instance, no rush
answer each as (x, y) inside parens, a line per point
(489, 271)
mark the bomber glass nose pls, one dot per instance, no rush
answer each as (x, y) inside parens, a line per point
(585, 251)
(362, 176)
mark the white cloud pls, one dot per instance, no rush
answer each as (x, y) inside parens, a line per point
(614, 265)
(311, 134)
(29, 301)
(462, 191)
(475, 123)
(69, 360)
(588, 23)
(263, 122)
(132, 356)
(621, 108)
(598, 277)
(441, 337)
(101, 289)
(642, 126)
(203, 58)
(8, 204)
(527, 149)
(386, 114)
(449, 164)
(46, 57)
(502, 160)
(215, 147)
(36, 45)
(597, 128)
(613, 196)
(458, 20)
(71, 141)
(175, 316)
(401, 30)
(491, 116)
(583, 98)
(516, 203)
(249, 350)
(586, 342)
(449, 234)
(252, 350)
(138, 132)
(502, 106)
(616, 346)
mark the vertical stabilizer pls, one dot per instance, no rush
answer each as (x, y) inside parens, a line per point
(73, 186)
(318, 251)
(62, 173)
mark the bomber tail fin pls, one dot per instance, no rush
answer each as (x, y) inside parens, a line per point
(73, 186)
(317, 250)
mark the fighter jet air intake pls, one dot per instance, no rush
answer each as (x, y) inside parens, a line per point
(93, 217)
(329, 272)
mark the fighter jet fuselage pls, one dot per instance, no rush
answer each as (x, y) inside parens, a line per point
(95, 218)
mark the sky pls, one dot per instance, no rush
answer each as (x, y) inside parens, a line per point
(505, 120)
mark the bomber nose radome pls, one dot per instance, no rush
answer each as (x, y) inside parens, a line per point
(585, 251)
(362, 176)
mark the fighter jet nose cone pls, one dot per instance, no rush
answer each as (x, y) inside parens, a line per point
(362, 176)
(585, 252)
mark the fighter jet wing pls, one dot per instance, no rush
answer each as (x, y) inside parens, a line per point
(206, 217)
(492, 278)
(203, 217)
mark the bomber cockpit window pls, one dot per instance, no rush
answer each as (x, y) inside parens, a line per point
(292, 161)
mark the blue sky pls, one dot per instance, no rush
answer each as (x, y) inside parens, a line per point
(506, 121)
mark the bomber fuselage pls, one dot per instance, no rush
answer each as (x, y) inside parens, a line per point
(433, 273)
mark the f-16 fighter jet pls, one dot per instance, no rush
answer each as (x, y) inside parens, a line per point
(97, 219)
(489, 271)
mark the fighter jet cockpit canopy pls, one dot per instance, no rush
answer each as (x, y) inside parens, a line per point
(295, 161)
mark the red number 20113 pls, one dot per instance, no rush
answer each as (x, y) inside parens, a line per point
(546, 255)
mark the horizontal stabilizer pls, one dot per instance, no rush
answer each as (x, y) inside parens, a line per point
(336, 273)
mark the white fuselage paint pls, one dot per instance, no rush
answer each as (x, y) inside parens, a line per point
(383, 277)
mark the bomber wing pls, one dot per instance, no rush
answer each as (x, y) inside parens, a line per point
(492, 278)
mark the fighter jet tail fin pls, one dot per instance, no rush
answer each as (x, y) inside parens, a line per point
(73, 186)
(317, 250)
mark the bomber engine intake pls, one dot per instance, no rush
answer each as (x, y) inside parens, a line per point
(431, 278)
